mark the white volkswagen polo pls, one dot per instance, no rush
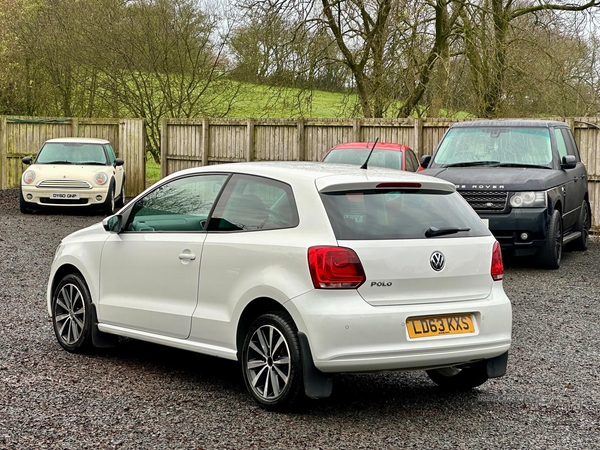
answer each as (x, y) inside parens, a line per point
(297, 271)
(74, 172)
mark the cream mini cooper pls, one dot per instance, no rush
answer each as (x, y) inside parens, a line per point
(74, 172)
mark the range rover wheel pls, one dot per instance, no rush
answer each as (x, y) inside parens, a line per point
(583, 226)
(71, 314)
(460, 379)
(271, 361)
(550, 254)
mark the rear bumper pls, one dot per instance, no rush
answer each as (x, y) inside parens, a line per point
(346, 334)
(508, 228)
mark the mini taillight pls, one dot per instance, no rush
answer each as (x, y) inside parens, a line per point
(497, 270)
(402, 185)
(335, 268)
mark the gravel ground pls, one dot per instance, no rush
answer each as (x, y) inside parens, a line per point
(145, 396)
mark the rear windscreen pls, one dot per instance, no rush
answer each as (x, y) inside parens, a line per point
(400, 214)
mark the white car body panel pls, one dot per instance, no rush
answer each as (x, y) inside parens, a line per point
(142, 289)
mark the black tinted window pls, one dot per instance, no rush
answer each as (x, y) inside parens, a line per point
(412, 165)
(372, 215)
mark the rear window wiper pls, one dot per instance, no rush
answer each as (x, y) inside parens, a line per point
(434, 231)
(473, 163)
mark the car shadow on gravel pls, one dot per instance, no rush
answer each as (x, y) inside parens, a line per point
(395, 392)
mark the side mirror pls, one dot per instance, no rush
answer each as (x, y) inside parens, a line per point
(27, 160)
(425, 160)
(568, 162)
(113, 224)
(119, 162)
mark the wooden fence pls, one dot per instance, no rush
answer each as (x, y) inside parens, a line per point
(192, 142)
(23, 136)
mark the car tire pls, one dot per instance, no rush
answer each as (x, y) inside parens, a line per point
(109, 203)
(583, 226)
(460, 379)
(23, 204)
(121, 200)
(549, 256)
(271, 361)
(72, 314)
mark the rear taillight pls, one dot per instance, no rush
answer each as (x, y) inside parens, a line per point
(335, 268)
(497, 270)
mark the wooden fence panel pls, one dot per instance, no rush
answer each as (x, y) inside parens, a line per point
(23, 136)
(189, 142)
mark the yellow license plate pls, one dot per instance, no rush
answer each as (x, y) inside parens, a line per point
(419, 327)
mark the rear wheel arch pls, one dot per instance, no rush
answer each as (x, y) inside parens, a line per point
(254, 309)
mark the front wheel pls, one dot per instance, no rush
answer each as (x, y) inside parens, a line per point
(23, 204)
(460, 378)
(550, 254)
(109, 203)
(121, 201)
(72, 314)
(271, 361)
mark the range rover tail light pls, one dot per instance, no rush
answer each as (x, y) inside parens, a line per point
(497, 269)
(335, 268)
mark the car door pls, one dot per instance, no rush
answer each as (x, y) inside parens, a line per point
(572, 198)
(579, 174)
(149, 272)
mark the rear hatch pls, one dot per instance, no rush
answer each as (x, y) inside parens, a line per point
(418, 242)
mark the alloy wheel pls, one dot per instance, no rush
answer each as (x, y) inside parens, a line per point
(268, 365)
(69, 312)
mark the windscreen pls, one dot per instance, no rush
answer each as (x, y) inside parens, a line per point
(495, 145)
(71, 153)
(400, 214)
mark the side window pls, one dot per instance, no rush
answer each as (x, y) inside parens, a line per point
(560, 143)
(571, 145)
(180, 205)
(412, 164)
(111, 154)
(252, 203)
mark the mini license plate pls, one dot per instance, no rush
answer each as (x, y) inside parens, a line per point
(419, 327)
(64, 196)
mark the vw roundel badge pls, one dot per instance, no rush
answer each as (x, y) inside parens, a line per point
(437, 261)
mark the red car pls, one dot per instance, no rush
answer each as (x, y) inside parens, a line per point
(386, 154)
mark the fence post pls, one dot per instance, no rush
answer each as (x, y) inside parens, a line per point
(418, 127)
(205, 141)
(356, 130)
(164, 146)
(249, 140)
(301, 141)
(74, 127)
(2, 152)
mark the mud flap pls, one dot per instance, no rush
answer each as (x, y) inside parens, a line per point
(100, 339)
(496, 367)
(316, 383)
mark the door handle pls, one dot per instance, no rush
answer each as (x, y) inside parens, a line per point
(187, 256)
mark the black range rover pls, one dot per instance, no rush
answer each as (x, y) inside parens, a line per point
(524, 178)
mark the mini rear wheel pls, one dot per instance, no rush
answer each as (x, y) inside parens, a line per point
(271, 362)
(460, 378)
(71, 314)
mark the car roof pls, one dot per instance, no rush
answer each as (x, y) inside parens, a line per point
(509, 123)
(392, 146)
(82, 140)
(324, 175)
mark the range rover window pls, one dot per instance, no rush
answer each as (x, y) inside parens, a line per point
(400, 214)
